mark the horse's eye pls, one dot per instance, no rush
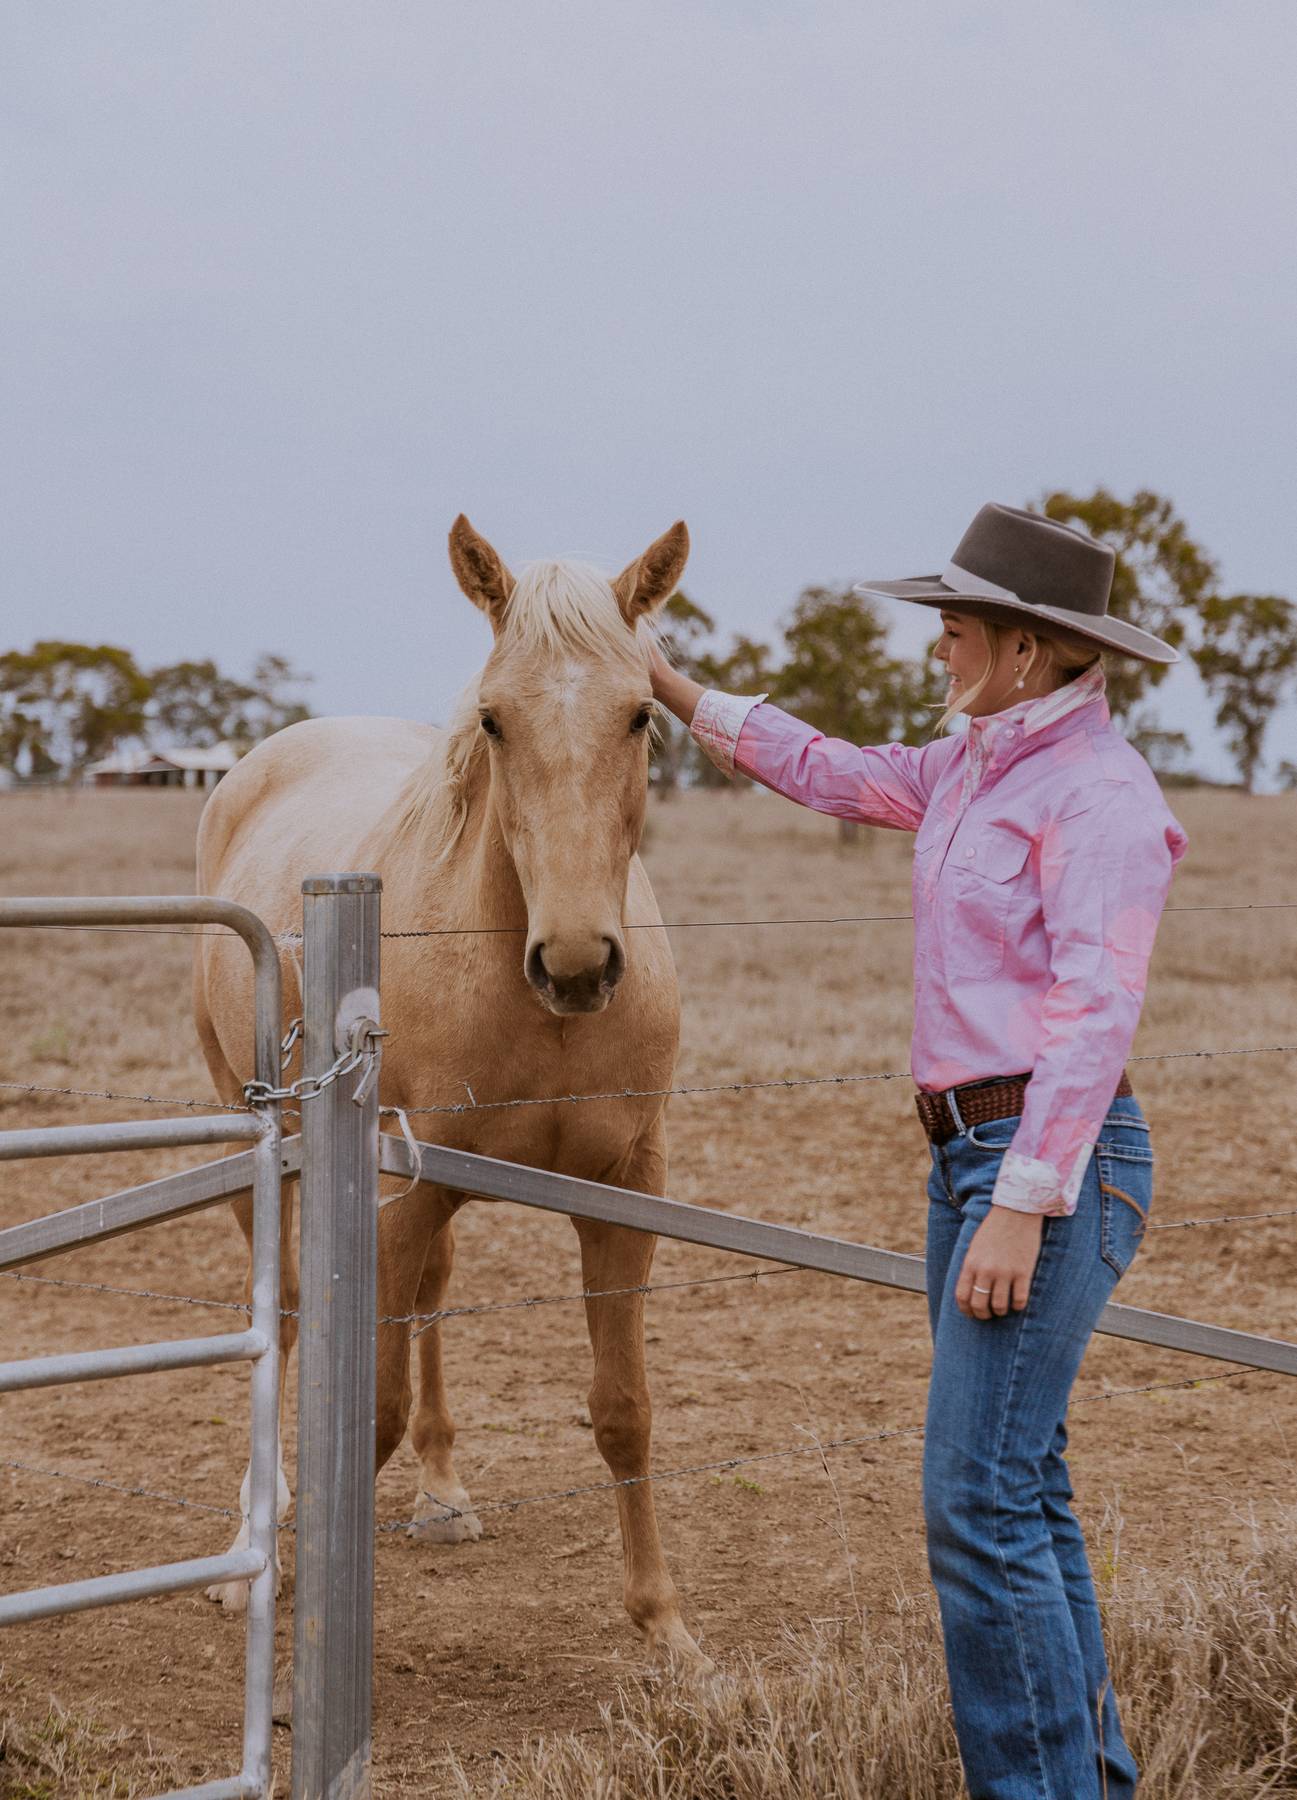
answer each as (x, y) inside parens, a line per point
(490, 726)
(642, 719)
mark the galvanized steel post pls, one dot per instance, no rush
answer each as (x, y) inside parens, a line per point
(334, 1601)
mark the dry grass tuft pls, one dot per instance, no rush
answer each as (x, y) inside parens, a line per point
(1204, 1662)
(50, 1753)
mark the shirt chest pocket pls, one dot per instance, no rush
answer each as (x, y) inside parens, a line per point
(988, 884)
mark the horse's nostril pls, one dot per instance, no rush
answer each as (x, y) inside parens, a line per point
(615, 964)
(537, 974)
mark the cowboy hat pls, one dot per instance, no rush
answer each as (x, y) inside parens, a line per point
(1019, 567)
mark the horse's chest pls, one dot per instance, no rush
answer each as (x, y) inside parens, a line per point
(518, 1084)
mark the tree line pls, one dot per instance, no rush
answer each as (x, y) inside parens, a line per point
(833, 668)
(66, 705)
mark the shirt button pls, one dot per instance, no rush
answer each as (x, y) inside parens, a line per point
(970, 851)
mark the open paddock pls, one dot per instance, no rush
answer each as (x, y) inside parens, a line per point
(482, 1645)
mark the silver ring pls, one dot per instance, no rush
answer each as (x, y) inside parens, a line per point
(980, 1290)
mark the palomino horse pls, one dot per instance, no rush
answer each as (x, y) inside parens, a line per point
(519, 825)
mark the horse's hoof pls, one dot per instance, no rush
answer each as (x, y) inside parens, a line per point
(675, 1653)
(434, 1523)
(231, 1595)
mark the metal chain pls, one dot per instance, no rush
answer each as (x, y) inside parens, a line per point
(363, 1049)
(765, 1456)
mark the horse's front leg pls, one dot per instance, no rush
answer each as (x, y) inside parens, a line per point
(443, 1513)
(613, 1258)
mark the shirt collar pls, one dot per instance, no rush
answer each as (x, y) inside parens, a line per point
(1045, 709)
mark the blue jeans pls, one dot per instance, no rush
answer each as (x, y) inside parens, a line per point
(1033, 1703)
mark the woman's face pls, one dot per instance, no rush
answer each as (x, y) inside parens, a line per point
(962, 648)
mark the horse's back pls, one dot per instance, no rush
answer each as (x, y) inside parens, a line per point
(313, 790)
(302, 803)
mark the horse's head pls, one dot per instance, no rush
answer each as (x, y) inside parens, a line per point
(564, 705)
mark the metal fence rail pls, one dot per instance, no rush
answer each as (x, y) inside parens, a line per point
(259, 1168)
(787, 1244)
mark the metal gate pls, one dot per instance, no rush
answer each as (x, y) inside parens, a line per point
(260, 1168)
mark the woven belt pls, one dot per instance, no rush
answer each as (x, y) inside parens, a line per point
(978, 1105)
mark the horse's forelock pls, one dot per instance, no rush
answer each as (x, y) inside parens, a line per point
(558, 606)
(554, 607)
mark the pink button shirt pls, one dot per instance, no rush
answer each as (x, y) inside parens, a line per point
(1042, 860)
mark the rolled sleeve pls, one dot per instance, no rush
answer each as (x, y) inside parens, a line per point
(717, 722)
(1105, 872)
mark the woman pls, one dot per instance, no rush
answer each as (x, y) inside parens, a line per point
(1043, 856)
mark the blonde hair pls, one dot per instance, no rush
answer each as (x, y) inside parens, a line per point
(1059, 655)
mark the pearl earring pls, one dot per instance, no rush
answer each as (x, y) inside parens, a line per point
(1016, 669)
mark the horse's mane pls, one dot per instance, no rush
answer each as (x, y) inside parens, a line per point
(555, 606)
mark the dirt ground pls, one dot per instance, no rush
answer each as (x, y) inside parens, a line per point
(480, 1645)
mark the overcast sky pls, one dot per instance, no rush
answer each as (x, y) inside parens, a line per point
(285, 287)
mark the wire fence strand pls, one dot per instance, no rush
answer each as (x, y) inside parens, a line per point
(452, 931)
(530, 1301)
(455, 1108)
(722, 1465)
(725, 1464)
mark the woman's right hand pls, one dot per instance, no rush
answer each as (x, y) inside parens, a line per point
(671, 689)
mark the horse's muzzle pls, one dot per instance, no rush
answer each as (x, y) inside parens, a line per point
(581, 990)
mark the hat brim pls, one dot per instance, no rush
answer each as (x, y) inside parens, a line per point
(1112, 634)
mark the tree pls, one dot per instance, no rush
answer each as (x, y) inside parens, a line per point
(64, 705)
(1162, 578)
(273, 702)
(194, 703)
(1165, 752)
(838, 675)
(1247, 660)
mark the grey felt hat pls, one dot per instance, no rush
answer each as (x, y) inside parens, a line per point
(1020, 567)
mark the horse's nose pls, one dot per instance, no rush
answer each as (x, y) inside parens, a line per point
(572, 981)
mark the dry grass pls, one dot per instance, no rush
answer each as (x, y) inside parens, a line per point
(50, 1753)
(522, 1634)
(1206, 1661)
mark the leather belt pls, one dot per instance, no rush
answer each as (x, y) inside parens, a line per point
(980, 1104)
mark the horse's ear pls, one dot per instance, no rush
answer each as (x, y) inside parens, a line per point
(479, 571)
(652, 578)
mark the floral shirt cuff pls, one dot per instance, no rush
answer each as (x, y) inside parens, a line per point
(718, 720)
(1026, 1184)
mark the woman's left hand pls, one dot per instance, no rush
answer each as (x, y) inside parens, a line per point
(1001, 1258)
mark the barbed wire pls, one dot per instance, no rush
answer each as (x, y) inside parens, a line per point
(455, 1108)
(786, 1081)
(117, 1487)
(530, 1301)
(725, 1464)
(718, 1466)
(32, 1087)
(442, 931)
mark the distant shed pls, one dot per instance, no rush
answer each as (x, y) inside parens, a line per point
(185, 768)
